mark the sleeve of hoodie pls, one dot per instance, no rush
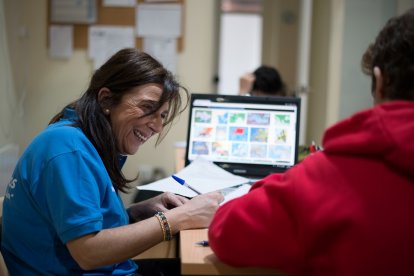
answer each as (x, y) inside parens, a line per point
(259, 228)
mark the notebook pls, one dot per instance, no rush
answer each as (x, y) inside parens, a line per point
(247, 136)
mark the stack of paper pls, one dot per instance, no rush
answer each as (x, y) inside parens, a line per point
(205, 177)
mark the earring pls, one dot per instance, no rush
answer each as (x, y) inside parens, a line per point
(106, 111)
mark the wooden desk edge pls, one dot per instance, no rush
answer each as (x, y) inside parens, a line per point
(199, 260)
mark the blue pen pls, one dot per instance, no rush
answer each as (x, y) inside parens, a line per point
(182, 182)
(202, 243)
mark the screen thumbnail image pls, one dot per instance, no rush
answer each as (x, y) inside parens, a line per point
(221, 117)
(280, 152)
(239, 150)
(203, 132)
(258, 119)
(200, 148)
(220, 148)
(221, 133)
(281, 135)
(259, 134)
(237, 118)
(238, 133)
(202, 116)
(258, 151)
(282, 119)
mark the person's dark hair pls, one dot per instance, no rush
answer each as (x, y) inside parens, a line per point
(393, 53)
(124, 71)
(268, 81)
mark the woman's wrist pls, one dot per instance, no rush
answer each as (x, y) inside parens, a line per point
(131, 217)
(139, 211)
(178, 219)
(165, 226)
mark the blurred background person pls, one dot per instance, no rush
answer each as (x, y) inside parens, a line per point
(264, 81)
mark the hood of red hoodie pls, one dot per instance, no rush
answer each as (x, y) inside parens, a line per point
(385, 132)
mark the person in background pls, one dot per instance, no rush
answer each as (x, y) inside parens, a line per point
(62, 211)
(264, 81)
(346, 210)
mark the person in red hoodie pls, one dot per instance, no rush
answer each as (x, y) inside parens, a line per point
(346, 210)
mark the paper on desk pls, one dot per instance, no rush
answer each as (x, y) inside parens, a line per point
(201, 174)
(237, 192)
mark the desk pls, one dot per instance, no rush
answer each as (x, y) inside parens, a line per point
(200, 260)
(165, 249)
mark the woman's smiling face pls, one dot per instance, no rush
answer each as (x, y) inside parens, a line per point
(130, 124)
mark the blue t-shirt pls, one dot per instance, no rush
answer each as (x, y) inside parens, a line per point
(59, 191)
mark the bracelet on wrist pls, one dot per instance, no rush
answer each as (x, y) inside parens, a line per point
(165, 226)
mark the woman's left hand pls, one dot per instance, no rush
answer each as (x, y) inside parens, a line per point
(161, 203)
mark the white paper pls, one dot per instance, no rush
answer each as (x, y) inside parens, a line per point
(164, 50)
(236, 192)
(159, 20)
(61, 41)
(104, 41)
(70, 11)
(201, 174)
(119, 3)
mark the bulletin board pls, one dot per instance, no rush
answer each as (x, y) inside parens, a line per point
(121, 16)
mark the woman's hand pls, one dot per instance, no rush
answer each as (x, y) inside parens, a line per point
(195, 213)
(161, 203)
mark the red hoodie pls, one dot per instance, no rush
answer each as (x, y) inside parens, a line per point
(348, 210)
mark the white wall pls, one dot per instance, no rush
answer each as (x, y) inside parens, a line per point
(47, 84)
(240, 36)
(323, 47)
(9, 101)
(280, 38)
(360, 29)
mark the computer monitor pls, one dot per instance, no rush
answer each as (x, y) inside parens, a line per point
(247, 136)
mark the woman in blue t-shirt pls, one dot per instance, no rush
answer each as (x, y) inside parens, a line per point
(62, 212)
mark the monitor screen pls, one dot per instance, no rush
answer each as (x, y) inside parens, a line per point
(249, 136)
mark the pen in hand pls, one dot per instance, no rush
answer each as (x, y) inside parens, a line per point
(182, 182)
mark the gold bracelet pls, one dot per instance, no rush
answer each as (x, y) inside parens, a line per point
(162, 225)
(165, 226)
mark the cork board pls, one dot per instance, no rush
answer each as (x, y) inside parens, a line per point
(121, 16)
